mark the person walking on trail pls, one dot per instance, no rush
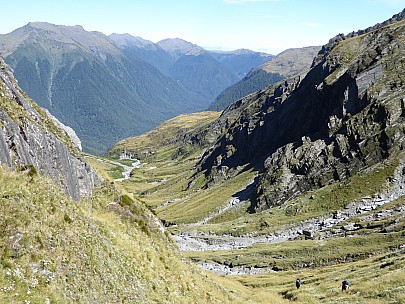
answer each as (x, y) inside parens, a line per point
(345, 285)
(298, 283)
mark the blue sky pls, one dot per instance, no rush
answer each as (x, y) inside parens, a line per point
(262, 25)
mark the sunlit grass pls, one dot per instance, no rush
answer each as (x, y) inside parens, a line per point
(178, 195)
(56, 250)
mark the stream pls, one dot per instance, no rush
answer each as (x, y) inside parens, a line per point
(127, 169)
(324, 226)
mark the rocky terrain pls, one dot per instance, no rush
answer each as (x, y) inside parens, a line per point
(31, 140)
(345, 115)
(340, 120)
(325, 226)
(302, 179)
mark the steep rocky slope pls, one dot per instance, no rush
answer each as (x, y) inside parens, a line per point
(345, 115)
(106, 249)
(31, 140)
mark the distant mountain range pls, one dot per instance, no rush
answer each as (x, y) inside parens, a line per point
(109, 88)
(286, 64)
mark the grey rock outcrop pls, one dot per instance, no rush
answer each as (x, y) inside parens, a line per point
(28, 136)
(345, 115)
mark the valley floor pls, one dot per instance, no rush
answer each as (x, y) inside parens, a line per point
(257, 257)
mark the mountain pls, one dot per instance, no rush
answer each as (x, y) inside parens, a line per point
(304, 179)
(196, 69)
(188, 64)
(241, 61)
(205, 72)
(34, 141)
(139, 48)
(343, 116)
(107, 248)
(90, 84)
(286, 64)
(109, 88)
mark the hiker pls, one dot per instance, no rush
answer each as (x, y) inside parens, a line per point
(298, 283)
(345, 285)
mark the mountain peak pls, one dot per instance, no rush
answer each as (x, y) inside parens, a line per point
(178, 47)
(129, 40)
(70, 36)
(291, 61)
(50, 26)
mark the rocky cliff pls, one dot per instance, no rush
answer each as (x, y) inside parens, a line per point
(31, 140)
(345, 115)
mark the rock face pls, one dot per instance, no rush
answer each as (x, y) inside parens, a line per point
(346, 114)
(28, 136)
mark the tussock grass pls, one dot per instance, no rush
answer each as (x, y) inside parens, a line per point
(167, 139)
(55, 250)
(371, 259)
(370, 282)
(326, 200)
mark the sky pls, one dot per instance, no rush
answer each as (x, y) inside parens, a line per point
(269, 26)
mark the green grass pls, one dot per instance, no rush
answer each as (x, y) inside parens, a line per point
(368, 257)
(166, 141)
(55, 250)
(326, 200)
(295, 255)
(371, 280)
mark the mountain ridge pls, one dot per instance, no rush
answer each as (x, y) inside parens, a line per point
(62, 73)
(65, 69)
(288, 63)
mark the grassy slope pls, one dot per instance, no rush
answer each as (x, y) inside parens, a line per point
(379, 279)
(54, 250)
(368, 258)
(165, 174)
(160, 142)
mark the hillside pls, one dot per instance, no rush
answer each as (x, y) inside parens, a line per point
(178, 136)
(302, 179)
(106, 250)
(66, 235)
(341, 118)
(241, 61)
(261, 254)
(285, 65)
(77, 75)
